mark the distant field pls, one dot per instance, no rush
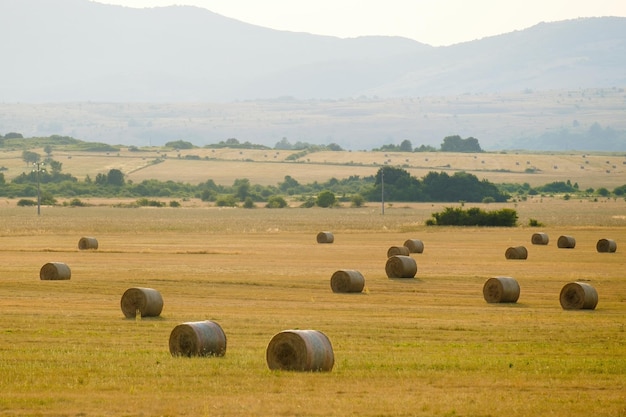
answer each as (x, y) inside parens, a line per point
(269, 167)
(428, 346)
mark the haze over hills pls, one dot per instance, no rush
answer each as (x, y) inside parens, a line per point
(71, 51)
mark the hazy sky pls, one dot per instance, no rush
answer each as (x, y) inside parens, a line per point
(435, 22)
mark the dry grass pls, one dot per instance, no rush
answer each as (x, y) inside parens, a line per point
(427, 346)
(269, 167)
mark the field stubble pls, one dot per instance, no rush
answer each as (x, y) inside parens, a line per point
(426, 346)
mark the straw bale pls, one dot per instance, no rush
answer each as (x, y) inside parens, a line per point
(398, 250)
(347, 280)
(198, 338)
(501, 290)
(87, 243)
(325, 237)
(566, 242)
(55, 271)
(147, 301)
(516, 252)
(540, 239)
(300, 350)
(414, 245)
(578, 296)
(606, 246)
(400, 266)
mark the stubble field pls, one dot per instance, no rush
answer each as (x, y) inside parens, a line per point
(428, 346)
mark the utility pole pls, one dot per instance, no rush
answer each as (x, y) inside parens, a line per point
(38, 167)
(382, 189)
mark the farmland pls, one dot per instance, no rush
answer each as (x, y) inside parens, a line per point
(428, 346)
(269, 167)
(425, 346)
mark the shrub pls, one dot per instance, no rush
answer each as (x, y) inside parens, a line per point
(174, 203)
(248, 203)
(326, 199)
(25, 202)
(357, 200)
(226, 201)
(276, 201)
(534, 223)
(474, 217)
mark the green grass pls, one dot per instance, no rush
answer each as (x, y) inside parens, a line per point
(428, 346)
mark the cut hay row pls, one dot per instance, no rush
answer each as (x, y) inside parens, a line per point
(145, 301)
(53, 271)
(516, 252)
(198, 338)
(300, 350)
(346, 281)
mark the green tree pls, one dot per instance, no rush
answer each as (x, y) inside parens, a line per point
(457, 144)
(357, 200)
(242, 188)
(115, 177)
(326, 199)
(30, 157)
(179, 144)
(276, 201)
(406, 146)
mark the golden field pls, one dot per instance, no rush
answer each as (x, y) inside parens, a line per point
(427, 346)
(269, 167)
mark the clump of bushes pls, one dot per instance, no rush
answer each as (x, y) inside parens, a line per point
(474, 216)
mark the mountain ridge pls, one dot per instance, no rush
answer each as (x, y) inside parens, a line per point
(75, 50)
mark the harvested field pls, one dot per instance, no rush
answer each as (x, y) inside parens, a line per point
(429, 346)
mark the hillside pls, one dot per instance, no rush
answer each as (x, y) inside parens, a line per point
(78, 50)
(144, 77)
(269, 167)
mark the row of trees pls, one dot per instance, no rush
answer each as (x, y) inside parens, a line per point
(450, 144)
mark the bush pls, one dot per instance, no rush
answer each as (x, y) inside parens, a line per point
(357, 200)
(25, 202)
(226, 201)
(144, 202)
(474, 217)
(534, 223)
(326, 199)
(174, 203)
(248, 203)
(276, 201)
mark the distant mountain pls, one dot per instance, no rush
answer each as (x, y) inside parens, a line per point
(78, 50)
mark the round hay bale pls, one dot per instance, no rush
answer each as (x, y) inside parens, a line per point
(325, 237)
(198, 338)
(398, 250)
(147, 301)
(501, 290)
(55, 271)
(516, 252)
(606, 246)
(578, 296)
(300, 350)
(87, 243)
(566, 242)
(347, 280)
(540, 239)
(414, 245)
(400, 266)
